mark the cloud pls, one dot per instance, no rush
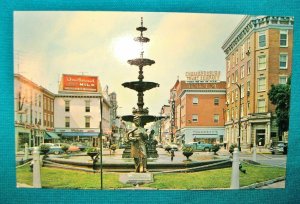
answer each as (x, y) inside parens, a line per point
(83, 42)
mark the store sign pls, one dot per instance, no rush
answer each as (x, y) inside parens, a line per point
(79, 83)
(203, 77)
(205, 132)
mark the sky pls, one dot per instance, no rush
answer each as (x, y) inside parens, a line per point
(49, 44)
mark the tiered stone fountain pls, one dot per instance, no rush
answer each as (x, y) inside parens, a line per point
(140, 87)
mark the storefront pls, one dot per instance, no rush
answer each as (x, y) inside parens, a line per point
(207, 135)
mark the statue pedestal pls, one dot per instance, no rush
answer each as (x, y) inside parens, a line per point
(136, 178)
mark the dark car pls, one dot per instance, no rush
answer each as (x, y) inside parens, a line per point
(279, 148)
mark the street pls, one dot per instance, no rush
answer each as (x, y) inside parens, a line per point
(267, 159)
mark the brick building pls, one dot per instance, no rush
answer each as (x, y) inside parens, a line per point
(198, 111)
(258, 54)
(77, 110)
(34, 113)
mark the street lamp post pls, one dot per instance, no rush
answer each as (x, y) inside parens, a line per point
(100, 142)
(172, 102)
(240, 105)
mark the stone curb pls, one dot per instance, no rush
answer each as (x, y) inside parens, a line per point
(264, 183)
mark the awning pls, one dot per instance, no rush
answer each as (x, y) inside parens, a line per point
(80, 134)
(51, 135)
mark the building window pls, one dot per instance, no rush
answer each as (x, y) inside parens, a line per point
(236, 94)
(232, 96)
(40, 118)
(262, 39)
(283, 38)
(242, 91)
(242, 71)
(40, 101)
(248, 67)
(261, 106)
(52, 107)
(48, 120)
(52, 121)
(261, 84)
(35, 117)
(262, 62)
(282, 79)
(45, 119)
(195, 118)
(67, 122)
(48, 104)
(243, 51)
(232, 113)
(67, 106)
(236, 56)
(236, 75)
(216, 118)
(242, 110)
(248, 107)
(87, 106)
(44, 103)
(248, 45)
(283, 61)
(236, 112)
(228, 82)
(228, 65)
(216, 101)
(195, 100)
(35, 99)
(87, 121)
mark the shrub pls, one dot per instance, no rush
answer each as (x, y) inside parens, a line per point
(231, 148)
(92, 149)
(187, 149)
(65, 148)
(215, 148)
(44, 149)
(113, 147)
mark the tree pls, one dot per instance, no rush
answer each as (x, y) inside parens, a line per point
(279, 96)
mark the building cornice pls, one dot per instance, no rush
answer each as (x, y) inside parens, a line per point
(202, 91)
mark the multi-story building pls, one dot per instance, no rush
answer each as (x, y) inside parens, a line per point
(199, 108)
(77, 113)
(258, 54)
(165, 125)
(33, 113)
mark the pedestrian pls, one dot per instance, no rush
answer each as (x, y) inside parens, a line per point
(172, 154)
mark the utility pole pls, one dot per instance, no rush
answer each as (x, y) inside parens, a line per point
(240, 105)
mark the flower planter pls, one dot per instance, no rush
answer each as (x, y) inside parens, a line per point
(187, 154)
(92, 154)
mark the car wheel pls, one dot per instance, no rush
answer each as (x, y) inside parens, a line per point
(206, 149)
(56, 152)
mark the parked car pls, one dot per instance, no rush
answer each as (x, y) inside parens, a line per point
(200, 146)
(54, 148)
(279, 148)
(82, 147)
(171, 146)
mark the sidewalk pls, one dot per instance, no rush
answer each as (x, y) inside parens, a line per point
(279, 184)
(23, 185)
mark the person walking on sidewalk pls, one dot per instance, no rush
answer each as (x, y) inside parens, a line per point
(172, 154)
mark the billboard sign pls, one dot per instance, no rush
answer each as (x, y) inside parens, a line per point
(80, 83)
(203, 76)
